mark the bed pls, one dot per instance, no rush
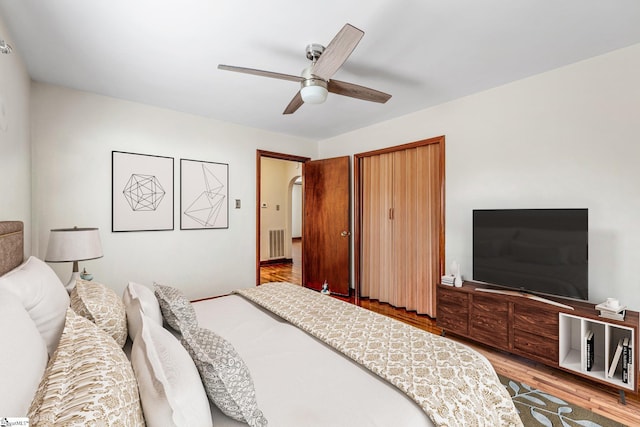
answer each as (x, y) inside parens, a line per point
(277, 355)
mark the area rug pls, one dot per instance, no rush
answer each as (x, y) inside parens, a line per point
(537, 408)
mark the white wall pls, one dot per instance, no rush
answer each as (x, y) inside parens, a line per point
(275, 192)
(15, 147)
(73, 134)
(296, 211)
(565, 138)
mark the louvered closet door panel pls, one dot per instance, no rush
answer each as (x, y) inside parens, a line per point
(369, 253)
(404, 238)
(387, 273)
(376, 267)
(428, 193)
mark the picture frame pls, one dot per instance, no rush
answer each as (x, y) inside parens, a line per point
(142, 193)
(204, 195)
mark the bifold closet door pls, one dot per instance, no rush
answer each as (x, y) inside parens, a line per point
(401, 221)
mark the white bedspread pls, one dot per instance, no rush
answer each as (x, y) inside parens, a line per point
(453, 384)
(299, 380)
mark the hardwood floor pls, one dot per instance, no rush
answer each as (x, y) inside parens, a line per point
(599, 399)
(286, 272)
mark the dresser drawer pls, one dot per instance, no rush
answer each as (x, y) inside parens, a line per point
(532, 344)
(489, 321)
(453, 311)
(535, 320)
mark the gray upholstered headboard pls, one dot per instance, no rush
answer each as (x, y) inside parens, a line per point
(11, 245)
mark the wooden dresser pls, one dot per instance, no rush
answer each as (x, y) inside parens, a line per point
(547, 333)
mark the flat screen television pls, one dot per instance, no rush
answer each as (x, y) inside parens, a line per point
(540, 251)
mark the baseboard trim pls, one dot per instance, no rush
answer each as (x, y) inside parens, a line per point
(276, 261)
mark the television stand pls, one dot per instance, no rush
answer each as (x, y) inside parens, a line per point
(525, 295)
(548, 331)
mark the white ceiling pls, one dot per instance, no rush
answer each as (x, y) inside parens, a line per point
(423, 52)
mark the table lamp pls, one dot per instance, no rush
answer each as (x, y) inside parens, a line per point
(73, 245)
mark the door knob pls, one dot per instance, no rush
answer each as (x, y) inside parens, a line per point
(345, 234)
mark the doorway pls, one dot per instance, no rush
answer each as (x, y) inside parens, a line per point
(278, 255)
(325, 224)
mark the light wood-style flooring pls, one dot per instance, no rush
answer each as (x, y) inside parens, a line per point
(599, 399)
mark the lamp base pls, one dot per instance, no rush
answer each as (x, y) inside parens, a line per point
(72, 281)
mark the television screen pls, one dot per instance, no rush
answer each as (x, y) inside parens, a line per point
(532, 250)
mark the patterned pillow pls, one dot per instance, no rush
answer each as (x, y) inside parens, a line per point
(177, 311)
(88, 381)
(102, 306)
(171, 391)
(225, 376)
(138, 300)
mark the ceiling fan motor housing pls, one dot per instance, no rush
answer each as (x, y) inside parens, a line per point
(314, 51)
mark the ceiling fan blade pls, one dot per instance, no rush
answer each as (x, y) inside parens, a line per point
(295, 103)
(357, 91)
(337, 51)
(262, 73)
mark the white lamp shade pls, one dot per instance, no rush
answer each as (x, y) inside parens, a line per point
(73, 244)
(313, 94)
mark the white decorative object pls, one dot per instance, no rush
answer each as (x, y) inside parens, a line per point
(613, 306)
(325, 288)
(613, 303)
(455, 272)
(612, 309)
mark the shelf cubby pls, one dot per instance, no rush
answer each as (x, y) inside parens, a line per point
(572, 348)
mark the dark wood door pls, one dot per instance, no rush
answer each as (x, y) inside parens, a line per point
(325, 226)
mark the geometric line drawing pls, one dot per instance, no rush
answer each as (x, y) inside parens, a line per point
(206, 207)
(143, 192)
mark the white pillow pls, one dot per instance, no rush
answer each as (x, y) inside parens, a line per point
(24, 356)
(170, 387)
(43, 296)
(138, 300)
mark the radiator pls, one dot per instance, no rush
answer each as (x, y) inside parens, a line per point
(276, 243)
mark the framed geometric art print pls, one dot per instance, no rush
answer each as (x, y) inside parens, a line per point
(142, 192)
(204, 195)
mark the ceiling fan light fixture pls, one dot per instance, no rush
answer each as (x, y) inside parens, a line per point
(314, 91)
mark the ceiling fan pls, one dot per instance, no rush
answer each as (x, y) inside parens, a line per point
(316, 81)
